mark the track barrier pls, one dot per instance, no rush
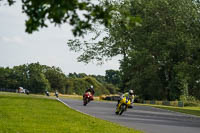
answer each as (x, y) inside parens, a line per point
(167, 103)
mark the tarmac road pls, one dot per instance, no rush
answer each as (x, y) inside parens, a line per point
(145, 118)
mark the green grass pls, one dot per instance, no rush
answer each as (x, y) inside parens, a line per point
(34, 114)
(186, 110)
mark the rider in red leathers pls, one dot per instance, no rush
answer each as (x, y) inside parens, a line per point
(91, 90)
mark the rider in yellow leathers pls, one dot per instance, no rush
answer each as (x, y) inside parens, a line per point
(129, 95)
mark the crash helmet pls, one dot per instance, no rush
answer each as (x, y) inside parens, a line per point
(131, 92)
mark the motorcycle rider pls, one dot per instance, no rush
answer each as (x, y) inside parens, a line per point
(91, 90)
(47, 93)
(129, 95)
(56, 93)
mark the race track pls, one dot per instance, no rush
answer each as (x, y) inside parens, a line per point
(145, 118)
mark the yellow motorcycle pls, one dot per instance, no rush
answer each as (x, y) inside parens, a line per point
(122, 106)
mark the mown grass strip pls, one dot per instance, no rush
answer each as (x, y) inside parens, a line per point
(32, 114)
(186, 110)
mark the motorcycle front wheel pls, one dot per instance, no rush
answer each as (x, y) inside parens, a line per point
(122, 109)
(85, 101)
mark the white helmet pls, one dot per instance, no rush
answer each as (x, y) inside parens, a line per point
(131, 92)
(91, 86)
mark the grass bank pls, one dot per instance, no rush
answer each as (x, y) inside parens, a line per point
(34, 114)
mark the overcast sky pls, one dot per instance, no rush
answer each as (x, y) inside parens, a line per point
(47, 46)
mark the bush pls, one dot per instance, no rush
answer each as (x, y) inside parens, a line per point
(191, 104)
(111, 88)
(79, 85)
(190, 101)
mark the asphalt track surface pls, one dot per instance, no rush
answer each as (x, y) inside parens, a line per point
(145, 118)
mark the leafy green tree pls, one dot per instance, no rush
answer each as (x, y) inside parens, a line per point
(35, 81)
(111, 88)
(77, 75)
(22, 75)
(79, 85)
(38, 78)
(166, 50)
(69, 86)
(73, 75)
(82, 75)
(154, 50)
(98, 87)
(7, 78)
(116, 43)
(38, 83)
(99, 78)
(78, 13)
(56, 79)
(113, 76)
(3, 76)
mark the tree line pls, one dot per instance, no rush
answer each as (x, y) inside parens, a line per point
(40, 78)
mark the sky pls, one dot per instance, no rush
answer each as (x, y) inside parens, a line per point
(48, 46)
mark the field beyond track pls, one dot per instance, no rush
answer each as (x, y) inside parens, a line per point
(34, 114)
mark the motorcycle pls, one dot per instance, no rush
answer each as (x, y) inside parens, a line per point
(87, 97)
(122, 106)
(56, 95)
(47, 93)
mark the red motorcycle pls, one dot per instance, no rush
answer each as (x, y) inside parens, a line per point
(87, 97)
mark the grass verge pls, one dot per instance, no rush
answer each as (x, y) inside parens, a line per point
(186, 110)
(32, 114)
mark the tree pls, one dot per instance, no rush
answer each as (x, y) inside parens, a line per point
(38, 83)
(39, 78)
(79, 86)
(22, 75)
(111, 88)
(98, 87)
(78, 13)
(99, 78)
(113, 77)
(56, 78)
(73, 75)
(116, 43)
(8, 79)
(165, 51)
(154, 51)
